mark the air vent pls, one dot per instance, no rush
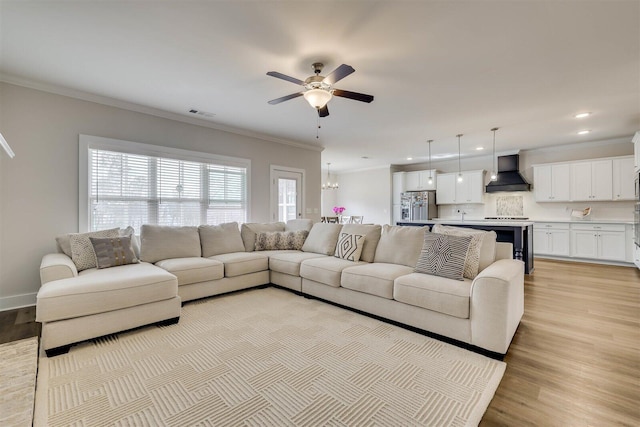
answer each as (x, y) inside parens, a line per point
(201, 113)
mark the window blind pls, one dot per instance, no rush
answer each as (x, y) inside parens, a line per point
(132, 189)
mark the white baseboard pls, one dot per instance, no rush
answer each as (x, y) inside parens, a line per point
(17, 301)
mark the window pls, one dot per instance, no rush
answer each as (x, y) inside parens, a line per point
(134, 184)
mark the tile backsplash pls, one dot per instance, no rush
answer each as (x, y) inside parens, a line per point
(509, 206)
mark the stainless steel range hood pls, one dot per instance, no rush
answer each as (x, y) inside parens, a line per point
(509, 178)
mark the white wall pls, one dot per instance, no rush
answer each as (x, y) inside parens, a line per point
(366, 193)
(39, 187)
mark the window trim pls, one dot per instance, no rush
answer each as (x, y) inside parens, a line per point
(87, 142)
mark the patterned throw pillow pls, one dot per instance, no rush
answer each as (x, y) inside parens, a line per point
(472, 263)
(113, 251)
(280, 240)
(349, 246)
(443, 255)
(82, 251)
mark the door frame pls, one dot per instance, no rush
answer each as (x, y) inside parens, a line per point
(273, 193)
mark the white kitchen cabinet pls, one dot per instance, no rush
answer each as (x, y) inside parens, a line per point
(398, 181)
(552, 183)
(598, 241)
(450, 191)
(636, 151)
(628, 235)
(446, 189)
(419, 180)
(551, 239)
(592, 180)
(623, 178)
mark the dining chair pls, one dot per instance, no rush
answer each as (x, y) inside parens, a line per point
(357, 219)
(332, 219)
(345, 219)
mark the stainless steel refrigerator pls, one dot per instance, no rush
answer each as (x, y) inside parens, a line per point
(418, 205)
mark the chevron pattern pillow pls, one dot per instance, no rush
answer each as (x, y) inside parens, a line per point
(349, 246)
(443, 255)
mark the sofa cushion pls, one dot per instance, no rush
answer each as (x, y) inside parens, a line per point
(326, 270)
(288, 262)
(82, 252)
(322, 238)
(375, 279)
(239, 263)
(483, 247)
(193, 269)
(400, 245)
(444, 255)
(113, 251)
(220, 239)
(298, 224)
(371, 238)
(158, 242)
(250, 230)
(434, 293)
(349, 246)
(280, 240)
(97, 291)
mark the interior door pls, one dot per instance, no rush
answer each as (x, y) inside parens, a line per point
(286, 194)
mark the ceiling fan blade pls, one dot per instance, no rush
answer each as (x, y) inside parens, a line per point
(323, 112)
(363, 97)
(285, 98)
(285, 77)
(339, 73)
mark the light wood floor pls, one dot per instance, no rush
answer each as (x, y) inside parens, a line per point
(575, 359)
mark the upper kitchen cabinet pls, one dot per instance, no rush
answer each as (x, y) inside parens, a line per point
(623, 178)
(591, 181)
(398, 185)
(419, 180)
(551, 183)
(451, 191)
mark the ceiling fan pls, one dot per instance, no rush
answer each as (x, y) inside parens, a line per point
(318, 90)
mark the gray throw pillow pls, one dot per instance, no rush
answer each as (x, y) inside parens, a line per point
(280, 240)
(82, 252)
(249, 231)
(113, 251)
(443, 255)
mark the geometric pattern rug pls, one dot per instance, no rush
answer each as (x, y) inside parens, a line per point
(266, 357)
(18, 365)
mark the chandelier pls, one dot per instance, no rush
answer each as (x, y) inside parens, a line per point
(329, 185)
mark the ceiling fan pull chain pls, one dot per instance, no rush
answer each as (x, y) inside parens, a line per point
(318, 128)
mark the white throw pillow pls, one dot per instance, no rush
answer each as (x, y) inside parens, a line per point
(443, 255)
(349, 246)
(482, 251)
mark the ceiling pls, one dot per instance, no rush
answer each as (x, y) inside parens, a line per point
(436, 68)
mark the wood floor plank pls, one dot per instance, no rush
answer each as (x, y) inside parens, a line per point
(575, 359)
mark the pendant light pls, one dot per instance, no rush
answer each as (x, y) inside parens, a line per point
(459, 170)
(494, 173)
(329, 185)
(430, 181)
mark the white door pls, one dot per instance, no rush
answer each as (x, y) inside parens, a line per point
(286, 193)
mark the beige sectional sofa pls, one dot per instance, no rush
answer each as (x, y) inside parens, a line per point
(179, 264)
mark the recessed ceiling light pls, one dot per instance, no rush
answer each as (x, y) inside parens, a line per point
(365, 157)
(479, 148)
(583, 132)
(409, 158)
(582, 115)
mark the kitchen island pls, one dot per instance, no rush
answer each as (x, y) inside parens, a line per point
(519, 233)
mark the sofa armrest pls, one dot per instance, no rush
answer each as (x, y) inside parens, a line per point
(497, 304)
(56, 267)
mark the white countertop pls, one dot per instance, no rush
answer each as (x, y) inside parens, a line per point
(587, 221)
(490, 222)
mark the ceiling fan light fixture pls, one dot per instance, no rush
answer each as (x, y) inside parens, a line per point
(317, 98)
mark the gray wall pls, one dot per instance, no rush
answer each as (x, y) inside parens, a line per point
(39, 187)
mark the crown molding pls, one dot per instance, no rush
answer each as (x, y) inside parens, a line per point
(138, 108)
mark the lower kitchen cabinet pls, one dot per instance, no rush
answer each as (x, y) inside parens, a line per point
(551, 239)
(599, 241)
